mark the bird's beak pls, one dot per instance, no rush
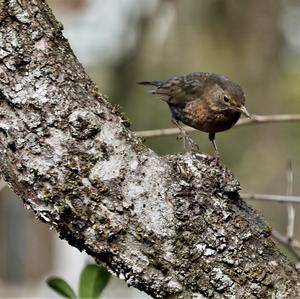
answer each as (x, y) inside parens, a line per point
(245, 111)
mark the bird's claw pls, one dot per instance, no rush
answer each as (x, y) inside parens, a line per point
(188, 142)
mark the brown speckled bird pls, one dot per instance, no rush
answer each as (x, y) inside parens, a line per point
(205, 101)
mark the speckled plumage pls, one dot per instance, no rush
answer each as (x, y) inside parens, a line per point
(205, 101)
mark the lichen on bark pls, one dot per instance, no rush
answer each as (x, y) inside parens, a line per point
(171, 226)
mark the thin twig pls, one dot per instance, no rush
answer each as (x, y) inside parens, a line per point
(271, 197)
(290, 207)
(255, 119)
(288, 241)
(284, 241)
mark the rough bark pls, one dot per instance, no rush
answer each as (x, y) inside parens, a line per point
(171, 226)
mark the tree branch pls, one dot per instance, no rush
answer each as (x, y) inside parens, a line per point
(171, 226)
(255, 119)
(271, 197)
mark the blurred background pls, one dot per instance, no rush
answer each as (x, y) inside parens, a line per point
(255, 43)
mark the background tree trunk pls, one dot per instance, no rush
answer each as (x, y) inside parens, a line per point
(171, 226)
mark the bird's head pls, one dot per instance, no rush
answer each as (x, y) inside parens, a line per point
(226, 94)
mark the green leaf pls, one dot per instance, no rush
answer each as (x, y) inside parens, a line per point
(61, 287)
(93, 280)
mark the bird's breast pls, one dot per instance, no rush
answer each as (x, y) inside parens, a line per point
(202, 118)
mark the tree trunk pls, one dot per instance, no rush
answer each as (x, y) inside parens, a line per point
(171, 226)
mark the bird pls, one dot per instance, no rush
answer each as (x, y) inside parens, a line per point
(208, 102)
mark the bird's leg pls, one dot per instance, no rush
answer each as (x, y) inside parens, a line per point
(211, 137)
(187, 141)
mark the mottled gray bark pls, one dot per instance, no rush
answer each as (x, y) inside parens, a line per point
(171, 226)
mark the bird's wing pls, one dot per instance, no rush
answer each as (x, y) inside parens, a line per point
(180, 89)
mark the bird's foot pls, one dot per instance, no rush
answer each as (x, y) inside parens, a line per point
(188, 143)
(216, 158)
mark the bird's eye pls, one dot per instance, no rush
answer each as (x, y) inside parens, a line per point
(226, 99)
